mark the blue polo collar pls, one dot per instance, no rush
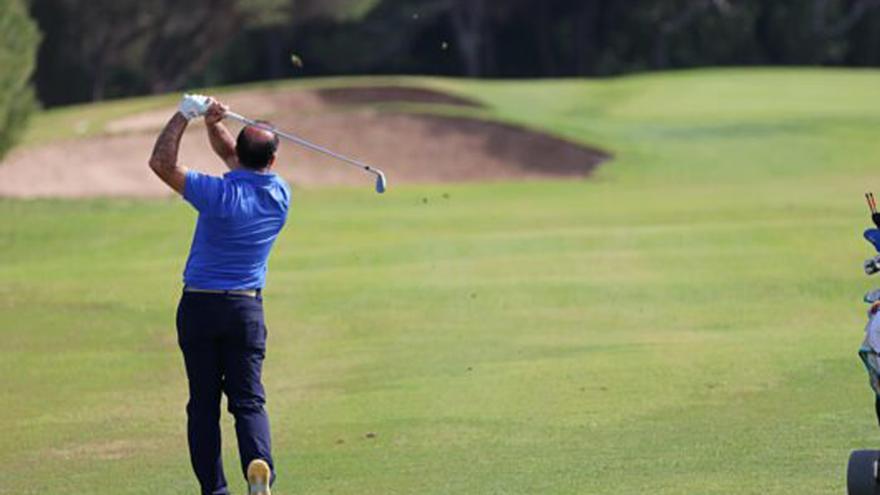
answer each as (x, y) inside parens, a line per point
(251, 175)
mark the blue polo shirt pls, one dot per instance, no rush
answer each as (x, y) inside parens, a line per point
(240, 216)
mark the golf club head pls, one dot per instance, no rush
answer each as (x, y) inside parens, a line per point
(381, 183)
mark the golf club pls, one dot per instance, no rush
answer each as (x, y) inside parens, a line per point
(380, 176)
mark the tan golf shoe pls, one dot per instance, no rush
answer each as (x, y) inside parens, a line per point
(258, 475)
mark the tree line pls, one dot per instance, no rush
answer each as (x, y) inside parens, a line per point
(96, 49)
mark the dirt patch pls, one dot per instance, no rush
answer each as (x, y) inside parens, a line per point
(409, 148)
(257, 103)
(391, 94)
(270, 102)
(517, 152)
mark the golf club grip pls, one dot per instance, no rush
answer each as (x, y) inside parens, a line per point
(306, 144)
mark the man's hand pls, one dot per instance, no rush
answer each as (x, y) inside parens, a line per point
(216, 112)
(193, 106)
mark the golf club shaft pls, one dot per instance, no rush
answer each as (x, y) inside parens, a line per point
(306, 144)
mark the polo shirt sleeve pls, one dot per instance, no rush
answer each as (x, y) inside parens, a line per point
(204, 192)
(287, 195)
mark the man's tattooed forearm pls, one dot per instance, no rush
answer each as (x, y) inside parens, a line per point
(167, 145)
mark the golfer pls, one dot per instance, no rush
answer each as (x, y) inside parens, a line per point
(220, 324)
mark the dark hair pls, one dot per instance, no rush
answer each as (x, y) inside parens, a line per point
(253, 149)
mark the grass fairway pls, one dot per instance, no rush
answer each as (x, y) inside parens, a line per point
(685, 324)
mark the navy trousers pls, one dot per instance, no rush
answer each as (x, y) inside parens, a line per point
(223, 339)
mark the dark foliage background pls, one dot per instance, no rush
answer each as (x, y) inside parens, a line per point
(95, 49)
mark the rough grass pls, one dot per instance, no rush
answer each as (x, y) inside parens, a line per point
(686, 323)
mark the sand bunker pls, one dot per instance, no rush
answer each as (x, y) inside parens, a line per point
(410, 148)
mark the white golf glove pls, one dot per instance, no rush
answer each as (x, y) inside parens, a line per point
(193, 106)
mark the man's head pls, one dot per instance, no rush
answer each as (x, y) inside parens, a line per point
(256, 146)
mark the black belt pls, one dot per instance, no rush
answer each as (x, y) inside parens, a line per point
(233, 292)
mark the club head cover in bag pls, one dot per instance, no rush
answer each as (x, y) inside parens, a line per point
(873, 236)
(872, 296)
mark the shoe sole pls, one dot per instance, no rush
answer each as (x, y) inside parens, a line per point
(258, 475)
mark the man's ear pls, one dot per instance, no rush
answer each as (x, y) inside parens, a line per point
(272, 161)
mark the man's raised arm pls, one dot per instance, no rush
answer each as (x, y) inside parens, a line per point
(164, 158)
(221, 139)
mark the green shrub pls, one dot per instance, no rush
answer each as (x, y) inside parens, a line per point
(19, 39)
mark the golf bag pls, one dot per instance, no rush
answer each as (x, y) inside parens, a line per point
(869, 352)
(863, 469)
